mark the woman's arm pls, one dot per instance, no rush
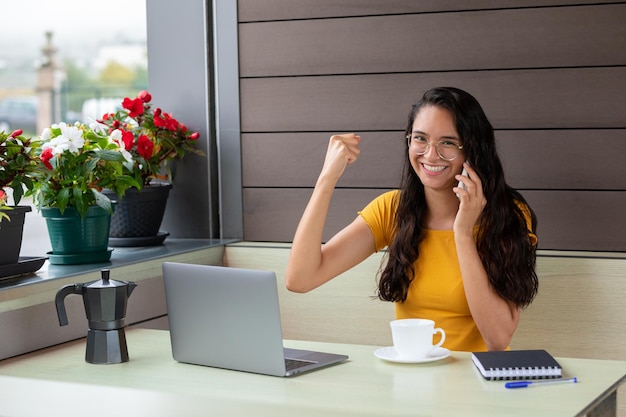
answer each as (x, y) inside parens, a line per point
(495, 317)
(310, 263)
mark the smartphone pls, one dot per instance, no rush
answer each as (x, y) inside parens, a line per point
(461, 184)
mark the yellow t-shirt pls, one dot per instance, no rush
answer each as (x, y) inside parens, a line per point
(437, 291)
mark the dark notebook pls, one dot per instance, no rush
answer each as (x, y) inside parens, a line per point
(517, 364)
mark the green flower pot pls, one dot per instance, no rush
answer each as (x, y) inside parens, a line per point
(75, 239)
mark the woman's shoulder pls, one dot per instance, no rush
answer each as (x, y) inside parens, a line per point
(389, 195)
(384, 203)
(379, 215)
(529, 219)
(388, 198)
(522, 205)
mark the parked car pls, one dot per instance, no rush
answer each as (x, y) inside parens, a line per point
(18, 113)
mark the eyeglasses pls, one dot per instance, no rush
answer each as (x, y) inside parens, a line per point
(446, 149)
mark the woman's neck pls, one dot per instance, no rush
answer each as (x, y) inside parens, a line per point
(442, 210)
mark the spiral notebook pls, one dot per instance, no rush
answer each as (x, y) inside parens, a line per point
(517, 364)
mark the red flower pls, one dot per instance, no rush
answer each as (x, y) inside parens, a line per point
(128, 138)
(144, 96)
(16, 133)
(158, 136)
(166, 121)
(134, 106)
(46, 156)
(3, 197)
(144, 146)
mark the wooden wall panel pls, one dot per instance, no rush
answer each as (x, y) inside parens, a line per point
(269, 10)
(551, 76)
(568, 220)
(433, 42)
(564, 159)
(272, 214)
(295, 160)
(532, 159)
(520, 99)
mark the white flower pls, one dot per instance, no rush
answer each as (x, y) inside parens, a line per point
(46, 134)
(98, 127)
(74, 137)
(58, 145)
(71, 139)
(116, 138)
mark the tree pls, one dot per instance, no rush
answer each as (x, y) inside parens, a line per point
(77, 87)
(117, 76)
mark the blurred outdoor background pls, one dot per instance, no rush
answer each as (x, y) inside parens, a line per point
(67, 60)
(91, 54)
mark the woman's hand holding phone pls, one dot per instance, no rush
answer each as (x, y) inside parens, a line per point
(461, 183)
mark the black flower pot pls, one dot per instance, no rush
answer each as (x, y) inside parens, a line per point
(11, 233)
(138, 216)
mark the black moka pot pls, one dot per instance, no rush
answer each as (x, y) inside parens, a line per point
(105, 306)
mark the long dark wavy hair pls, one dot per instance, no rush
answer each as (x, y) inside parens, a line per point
(503, 242)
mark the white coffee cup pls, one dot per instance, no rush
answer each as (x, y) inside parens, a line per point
(413, 338)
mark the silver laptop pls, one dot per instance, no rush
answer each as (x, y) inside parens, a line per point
(230, 318)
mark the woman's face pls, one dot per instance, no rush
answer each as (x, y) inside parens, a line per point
(435, 125)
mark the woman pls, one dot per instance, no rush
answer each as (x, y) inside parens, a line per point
(459, 253)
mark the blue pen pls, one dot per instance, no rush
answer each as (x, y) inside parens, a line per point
(524, 384)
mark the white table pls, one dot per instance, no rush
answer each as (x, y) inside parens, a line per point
(57, 381)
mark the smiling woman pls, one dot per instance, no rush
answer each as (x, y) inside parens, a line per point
(463, 257)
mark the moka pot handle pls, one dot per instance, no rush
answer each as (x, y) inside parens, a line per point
(59, 300)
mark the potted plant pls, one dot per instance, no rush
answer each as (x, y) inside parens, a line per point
(76, 163)
(18, 164)
(151, 139)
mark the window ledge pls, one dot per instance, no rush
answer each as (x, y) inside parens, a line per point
(128, 264)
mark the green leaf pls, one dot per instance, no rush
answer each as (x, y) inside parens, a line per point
(90, 165)
(63, 199)
(109, 155)
(102, 200)
(79, 202)
(18, 192)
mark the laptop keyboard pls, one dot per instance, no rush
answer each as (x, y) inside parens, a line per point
(291, 364)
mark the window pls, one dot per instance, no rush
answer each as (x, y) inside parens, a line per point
(98, 52)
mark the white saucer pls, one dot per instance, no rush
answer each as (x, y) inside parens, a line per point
(390, 354)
